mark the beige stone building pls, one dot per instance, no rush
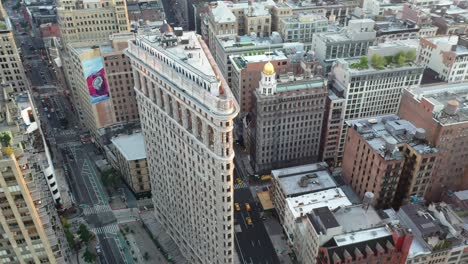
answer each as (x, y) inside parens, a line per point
(128, 156)
(187, 111)
(85, 27)
(29, 224)
(12, 71)
(114, 102)
(91, 21)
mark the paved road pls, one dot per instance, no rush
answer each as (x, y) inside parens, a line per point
(109, 249)
(252, 241)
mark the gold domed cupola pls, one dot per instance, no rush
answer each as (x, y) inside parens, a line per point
(268, 69)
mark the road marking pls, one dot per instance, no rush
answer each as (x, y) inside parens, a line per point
(240, 249)
(253, 244)
(260, 244)
(240, 185)
(108, 229)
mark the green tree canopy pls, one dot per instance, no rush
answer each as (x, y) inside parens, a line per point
(89, 257)
(411, 55)
(85, 234)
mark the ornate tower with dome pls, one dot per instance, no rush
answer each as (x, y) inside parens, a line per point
(287, 119)
(267, 84)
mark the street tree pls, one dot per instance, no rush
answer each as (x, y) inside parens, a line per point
(89, 257)
(85, 234)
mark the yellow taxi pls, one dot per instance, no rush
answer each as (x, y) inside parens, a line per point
(247, 207)
(237, 206)
(248, 220)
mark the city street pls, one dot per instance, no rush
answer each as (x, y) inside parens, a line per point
(252, 241)
(63, 135)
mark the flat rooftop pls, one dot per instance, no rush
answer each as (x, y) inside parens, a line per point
(305, 18)
(319, 178)
(188, 50)
(391, 26)
(247, 42)
(222, 14)
(356, 217)
(422, 220)
(131, 146)
(241, 61)
(384, 131)
(300, 85)
(462, 195)
(439, 95)
(361, 236)
(304, 204)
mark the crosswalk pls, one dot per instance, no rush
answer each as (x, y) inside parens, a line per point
(240, 185)
(70, 144)
(68, 132)
(96, 209)
(108, 229)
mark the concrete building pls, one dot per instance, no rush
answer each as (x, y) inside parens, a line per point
(297, 207)
(246, 45)
(29, 223)
(458, 199)
(350, 42)
(40, 14)
(91, 21)
(389, 244)
(145, 13)
(187, 123)
(12, 72)
(127, 154)
(450, 20)
(441, 110)
(396, 30)
(220, 22)
(372, 91)
(445, 55)
(244, 18)
(287, 118)
(246, 75)
(438, 234)
(302, 27)
(332, 126)
(337, 12)
(419, 16)
(114, 101)
(296, 181)
(388, 157)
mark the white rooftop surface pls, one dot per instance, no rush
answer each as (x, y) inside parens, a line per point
(258, 9)
(407, 43)
(198, 60)
(222, 13)
(453, 40)
(288, 179)
(361, 236)
(332, 198)
(131, 146)
(418, 248)
(356, 217)
(265, 58)
(462, 195)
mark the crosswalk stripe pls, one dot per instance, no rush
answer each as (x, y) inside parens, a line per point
(108, 229)
(98, 208)
(240, 185)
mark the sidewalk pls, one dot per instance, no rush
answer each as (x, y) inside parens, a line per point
(160, 235)
(141, 244)
(275, 232)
